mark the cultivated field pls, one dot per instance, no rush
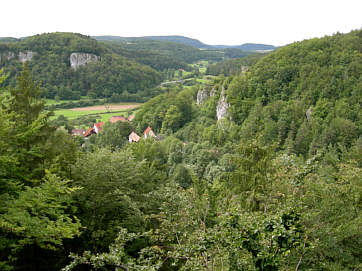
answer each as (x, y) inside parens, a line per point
(107, 108)
(104, 111)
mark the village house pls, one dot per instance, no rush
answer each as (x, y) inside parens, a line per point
(114, 119)
(78, 132)
(133, 137)
(130, 118)
(149, 133)
(96, 129)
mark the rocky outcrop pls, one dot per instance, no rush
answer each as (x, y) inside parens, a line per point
(80, 59)
(202, 94)
(244, 69)
(222, 106)
(26, 56)
(213, 92)
(22, 56)
(308, 114)
(6, 56)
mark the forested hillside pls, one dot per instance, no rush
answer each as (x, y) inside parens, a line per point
(50, 66)
(258, 170)
(180, 52)
(232, 67)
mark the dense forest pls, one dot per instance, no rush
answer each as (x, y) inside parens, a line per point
(50, 66)
(128, 68)
(273, 183)
(162, 55)
(234, 66)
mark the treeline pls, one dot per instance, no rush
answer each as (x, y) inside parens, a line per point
(50, 67)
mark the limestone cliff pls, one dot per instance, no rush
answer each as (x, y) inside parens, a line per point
(308, 114)
(26, 56)
(6, 56)
(202, 94)
(222, 106)
(80, 59)
(213, 92)
(22, 56)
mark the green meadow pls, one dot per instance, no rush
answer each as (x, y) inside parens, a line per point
(105, 113)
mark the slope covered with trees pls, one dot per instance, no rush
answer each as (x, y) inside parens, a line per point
(306, 95)
(274, 185)
(178, 51)
(277, 187)
(50, 66)
(231, 67)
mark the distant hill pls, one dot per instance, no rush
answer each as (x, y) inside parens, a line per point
(180, 39)
(248, 47)
(183, 53)
(177, 39)
(191, 42)
(8, 39)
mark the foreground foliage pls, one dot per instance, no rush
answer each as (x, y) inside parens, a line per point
(275, 187)
(35, 202)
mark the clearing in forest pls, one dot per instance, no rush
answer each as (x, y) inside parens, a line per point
(110, 107)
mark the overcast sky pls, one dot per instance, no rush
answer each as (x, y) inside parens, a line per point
(231, 22)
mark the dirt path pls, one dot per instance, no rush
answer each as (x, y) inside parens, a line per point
(111, 107)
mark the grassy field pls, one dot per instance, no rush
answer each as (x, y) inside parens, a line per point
(105, 112)
(52, 101)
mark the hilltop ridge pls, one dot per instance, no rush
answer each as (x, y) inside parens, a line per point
(191, 42)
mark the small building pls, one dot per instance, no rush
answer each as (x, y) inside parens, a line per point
(130, 118)
(89, 132)
(98, 127)
(114, 119)
(149, 133)
(133, 137)
(78, 132)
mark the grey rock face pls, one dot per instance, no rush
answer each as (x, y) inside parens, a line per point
(202, 94)
(309, 113)
(213, 92)
(7, 56)
(26, 56)
(222, 106)
(80, 59)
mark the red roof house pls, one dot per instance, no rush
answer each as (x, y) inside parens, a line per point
(117, 118)
(133, 137)
(149, 133)
(89, 132)
(78, 132)
(98, 127)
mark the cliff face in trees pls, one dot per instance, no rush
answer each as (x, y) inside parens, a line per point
(58, 61)
(22, 56)
(81, 59)
(303, 97)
